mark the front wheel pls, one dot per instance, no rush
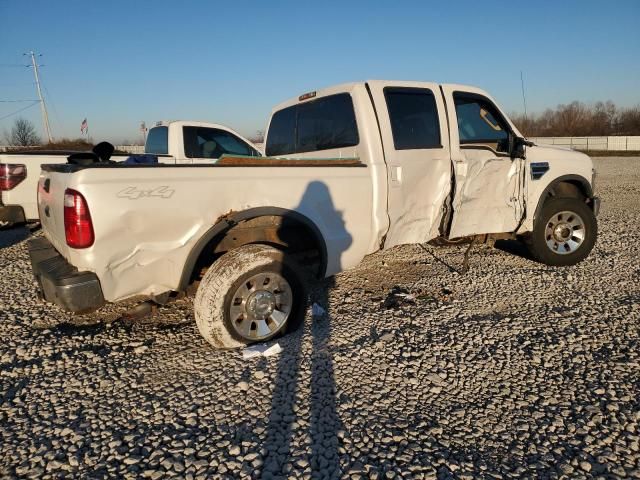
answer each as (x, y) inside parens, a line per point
(564, 233)
(251, 294)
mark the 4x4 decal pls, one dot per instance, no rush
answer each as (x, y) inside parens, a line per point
(133, 193)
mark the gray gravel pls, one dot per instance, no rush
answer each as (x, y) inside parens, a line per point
(512, 370)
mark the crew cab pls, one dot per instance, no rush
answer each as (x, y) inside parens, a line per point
(350, 170)
(177, 142)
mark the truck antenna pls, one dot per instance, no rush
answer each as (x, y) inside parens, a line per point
(43, 107)
(524, 100)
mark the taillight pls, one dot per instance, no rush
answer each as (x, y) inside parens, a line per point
(78, 227)
(11, 174)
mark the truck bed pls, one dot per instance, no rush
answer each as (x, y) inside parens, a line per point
(225, 161)
(148, 217)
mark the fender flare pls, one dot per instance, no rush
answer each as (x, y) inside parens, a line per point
(584, 183)
(233, 219)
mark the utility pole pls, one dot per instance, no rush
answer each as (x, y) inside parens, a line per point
(43, 107)
(143, 129)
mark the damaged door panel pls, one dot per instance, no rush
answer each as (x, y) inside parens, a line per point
(489, 183)
(488, 197)
(416, 149)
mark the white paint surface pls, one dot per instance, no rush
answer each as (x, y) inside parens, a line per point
(142, 241)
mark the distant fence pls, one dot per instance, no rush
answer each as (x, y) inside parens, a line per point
(122, 148)
(592, 143)
(130, 148)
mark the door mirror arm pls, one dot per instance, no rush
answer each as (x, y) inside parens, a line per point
(516, 146)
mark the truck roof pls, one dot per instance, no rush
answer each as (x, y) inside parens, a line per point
(190, 123)
(344, 87)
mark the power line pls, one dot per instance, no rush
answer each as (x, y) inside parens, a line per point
(21, 110)
(18, 101)
(15, 84)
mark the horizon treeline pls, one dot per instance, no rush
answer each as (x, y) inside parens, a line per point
(578, 119)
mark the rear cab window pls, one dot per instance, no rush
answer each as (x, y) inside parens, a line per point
(323, 124)
(203, 142)
(480, 124)
(157, 141)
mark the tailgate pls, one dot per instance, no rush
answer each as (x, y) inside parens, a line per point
(24, 194)
(51, 187)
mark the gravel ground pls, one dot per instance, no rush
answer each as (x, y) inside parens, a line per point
(512, 370)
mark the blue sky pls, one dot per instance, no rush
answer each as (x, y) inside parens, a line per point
(120, 62)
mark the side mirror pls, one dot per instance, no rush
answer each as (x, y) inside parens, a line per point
(516, 146)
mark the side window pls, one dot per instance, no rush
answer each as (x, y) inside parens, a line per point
(414, 118)
(157, 141)
(281, 139)
(479, 122)
(326, 123)
(201, 142)
(322, 124)
(233, 145)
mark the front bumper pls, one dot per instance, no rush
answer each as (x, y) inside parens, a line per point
(11, 214)
(60, 282)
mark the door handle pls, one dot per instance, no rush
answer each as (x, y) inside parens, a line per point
(396, 173)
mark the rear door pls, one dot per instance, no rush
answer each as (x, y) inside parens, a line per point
(414, 134)
(489, 184)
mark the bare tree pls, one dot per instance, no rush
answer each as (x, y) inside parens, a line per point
(578, 119)
(628, 122)
(569, 119)
(258, 137)
(23, 134)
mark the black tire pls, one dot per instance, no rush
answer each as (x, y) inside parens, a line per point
(548, 249)
(216, 296)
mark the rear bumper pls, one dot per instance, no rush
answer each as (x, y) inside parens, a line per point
(60, 282)
(11, 214)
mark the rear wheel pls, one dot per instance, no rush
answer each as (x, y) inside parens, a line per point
(564, 233)
(251, 294)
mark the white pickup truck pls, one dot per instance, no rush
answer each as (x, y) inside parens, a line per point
(171, 142)
(350, 170)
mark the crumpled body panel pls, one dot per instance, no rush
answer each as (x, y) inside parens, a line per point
(489, 194)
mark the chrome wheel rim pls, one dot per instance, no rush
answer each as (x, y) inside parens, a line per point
(261, 306)
(565, 232)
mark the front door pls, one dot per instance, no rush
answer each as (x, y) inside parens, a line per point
(489, 184)
(416, 148)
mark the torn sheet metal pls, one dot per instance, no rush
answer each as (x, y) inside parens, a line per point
(418, 179)
(489, 197)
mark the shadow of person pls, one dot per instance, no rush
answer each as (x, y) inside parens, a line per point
(323, 422)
